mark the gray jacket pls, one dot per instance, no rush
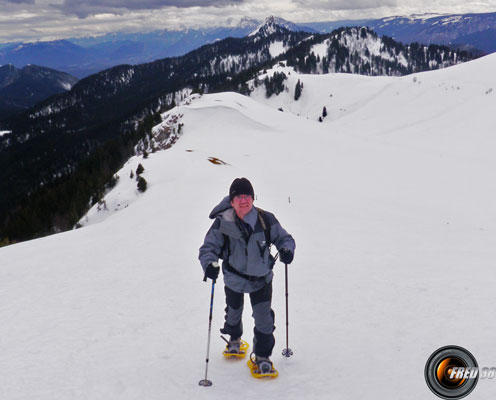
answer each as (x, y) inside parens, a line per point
(249, 257)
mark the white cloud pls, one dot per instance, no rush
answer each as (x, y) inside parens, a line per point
(86, 8)
(18, 1)
(25, 20)
(345, 4)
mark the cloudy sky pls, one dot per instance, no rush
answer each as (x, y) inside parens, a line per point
(27, 20)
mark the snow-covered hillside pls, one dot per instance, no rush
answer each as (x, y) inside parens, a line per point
(445, 111)
(391, 200)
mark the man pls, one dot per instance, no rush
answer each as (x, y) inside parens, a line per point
(241, 235)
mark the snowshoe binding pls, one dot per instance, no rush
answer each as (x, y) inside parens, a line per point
(235, 348)
(261, 367)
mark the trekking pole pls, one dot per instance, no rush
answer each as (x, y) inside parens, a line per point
(206, 382)
(287, 352)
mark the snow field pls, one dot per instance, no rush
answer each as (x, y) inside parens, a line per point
(392, 208)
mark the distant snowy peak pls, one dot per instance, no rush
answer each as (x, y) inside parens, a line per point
(429, 19)
(477, 30)
(413, 17)
(425, 16)
(243, 23)
(273, 25)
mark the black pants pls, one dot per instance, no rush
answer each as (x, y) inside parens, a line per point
(263, 341)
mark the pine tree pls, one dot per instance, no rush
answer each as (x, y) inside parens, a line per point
(297, 90)
(274, 85)
(142, 184)
(324, 112)
(140, 169)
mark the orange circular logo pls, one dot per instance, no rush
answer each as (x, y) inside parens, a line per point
(451, 372)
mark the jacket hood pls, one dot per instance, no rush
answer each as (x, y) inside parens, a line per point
(224, 205)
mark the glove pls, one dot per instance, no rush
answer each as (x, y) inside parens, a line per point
(286, 256)
(212, 271)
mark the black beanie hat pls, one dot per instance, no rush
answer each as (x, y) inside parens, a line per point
(241, 186)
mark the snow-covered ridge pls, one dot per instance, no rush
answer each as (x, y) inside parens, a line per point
(360, 50)
(339, 96)
(344, 96)
(162, 137)
(414, 17)
(367, 46)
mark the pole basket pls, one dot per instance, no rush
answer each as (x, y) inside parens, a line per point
(287, 352)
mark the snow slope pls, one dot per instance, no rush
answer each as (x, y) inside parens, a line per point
(391, 203)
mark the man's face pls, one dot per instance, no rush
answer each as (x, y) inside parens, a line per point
(242, 204)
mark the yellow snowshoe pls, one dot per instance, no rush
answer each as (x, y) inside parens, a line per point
(235, 348)
(261, 367)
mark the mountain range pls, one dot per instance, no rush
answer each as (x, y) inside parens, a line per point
(475, 30)
(60, 156)
(83, 56)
